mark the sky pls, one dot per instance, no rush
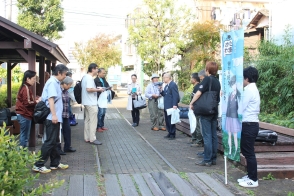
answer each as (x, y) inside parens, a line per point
(85, 18)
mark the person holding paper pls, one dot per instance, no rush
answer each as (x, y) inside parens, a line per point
(133, 91)
(100, 81)
(156, 115)
(171, 100)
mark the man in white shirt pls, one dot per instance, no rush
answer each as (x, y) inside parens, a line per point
(89, 100)
(250, 125)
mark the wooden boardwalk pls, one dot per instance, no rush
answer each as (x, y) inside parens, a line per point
(145, 184)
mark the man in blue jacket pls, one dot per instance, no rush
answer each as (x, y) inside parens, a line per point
(171, 100)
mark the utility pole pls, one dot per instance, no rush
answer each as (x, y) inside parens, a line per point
(10, 10)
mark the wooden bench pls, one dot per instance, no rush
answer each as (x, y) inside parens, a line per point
(277, 159)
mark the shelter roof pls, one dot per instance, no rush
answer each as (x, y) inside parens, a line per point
(15, 40)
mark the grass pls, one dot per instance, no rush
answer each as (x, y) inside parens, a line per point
(184, 175)
(250, 192)
(269, 177)
(137, 186)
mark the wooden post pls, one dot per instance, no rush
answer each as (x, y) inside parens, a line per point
(48, 66)
(32, 67)
(41, 85)
(53, 65)
(8, 82)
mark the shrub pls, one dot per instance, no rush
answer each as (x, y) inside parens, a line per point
(15, 169)
(276, 76)
(3, 94)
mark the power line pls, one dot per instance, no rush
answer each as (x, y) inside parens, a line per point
(95, 14)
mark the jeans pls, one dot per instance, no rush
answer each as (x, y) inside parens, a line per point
(49, 148)
(170, 128)
(135, 114)
(101, 116)
(66, 131)
(248, 136)
(209, 125)
(25, 129)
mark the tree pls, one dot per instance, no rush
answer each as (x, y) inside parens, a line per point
(204, 45)
(43, 17)
(157, 32)
(101, 50)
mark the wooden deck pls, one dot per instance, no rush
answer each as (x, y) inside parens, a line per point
(277, 159)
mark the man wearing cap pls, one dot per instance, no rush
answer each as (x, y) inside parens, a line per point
(156, 114)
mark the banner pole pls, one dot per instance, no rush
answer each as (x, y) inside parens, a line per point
(226, 171)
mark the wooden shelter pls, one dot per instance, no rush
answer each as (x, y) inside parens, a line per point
(19, 45)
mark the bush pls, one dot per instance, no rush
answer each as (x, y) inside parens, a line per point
(3, 94)
(15, 169)
(276, 76)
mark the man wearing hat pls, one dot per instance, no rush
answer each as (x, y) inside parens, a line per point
(156, 114)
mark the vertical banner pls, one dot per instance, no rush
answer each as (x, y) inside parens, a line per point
(232, 91)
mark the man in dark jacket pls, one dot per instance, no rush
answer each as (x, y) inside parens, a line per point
(100, 81)
(171, 100)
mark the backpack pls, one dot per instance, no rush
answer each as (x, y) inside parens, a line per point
(78, 91)
(41, 112)
(5, 117)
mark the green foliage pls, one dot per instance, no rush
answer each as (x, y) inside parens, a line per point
(285, 121)
(250, 192)
(249, 57)
(158, 32)
(15, 169)
(290, 193)
(269, 177)
(204, 45)
(101, 50)
(276, 76)
(3, 94)
(187, 95)
(184, 176)
(16, 74)
(43, 17)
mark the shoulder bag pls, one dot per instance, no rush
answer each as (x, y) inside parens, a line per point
(139, 103)
(207, 103)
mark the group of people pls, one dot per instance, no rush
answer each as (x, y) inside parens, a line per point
(56, 96)
(166, 90)
(205, 133)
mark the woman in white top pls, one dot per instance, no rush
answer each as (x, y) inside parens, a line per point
(133, 91)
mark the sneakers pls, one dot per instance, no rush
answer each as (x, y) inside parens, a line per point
(243, 179)
(60, 166)
(42, 170)
(104, 128)
(99, 130)
(202, 163)
(96, 142)
(249, 183)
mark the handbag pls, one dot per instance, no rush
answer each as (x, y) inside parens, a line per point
(160, 102)
(139, 103)
(207, 103)
(41, 112)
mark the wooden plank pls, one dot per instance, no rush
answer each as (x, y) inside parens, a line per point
(277, 128)
(144, 189)
(111, 185)
(213, 184)
(165, 185)
(62, 191)
(90, 185)
(199, 185)
(76, 185)
(181, 185)
(127, 185)
(152, 184)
